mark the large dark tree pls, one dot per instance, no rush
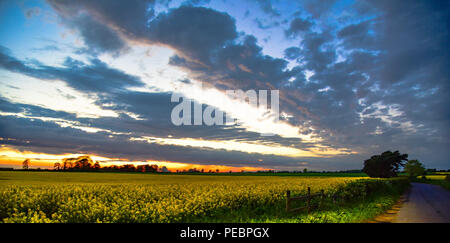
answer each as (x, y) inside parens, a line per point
(385, 165)
(83, 163)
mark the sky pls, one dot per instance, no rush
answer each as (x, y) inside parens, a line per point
(355, 79)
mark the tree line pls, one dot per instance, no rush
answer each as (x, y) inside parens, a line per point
(385, 165)
(85, 163)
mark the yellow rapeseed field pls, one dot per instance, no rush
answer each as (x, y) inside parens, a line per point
(109, 197)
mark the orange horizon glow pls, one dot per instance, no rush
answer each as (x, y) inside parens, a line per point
(14, 157)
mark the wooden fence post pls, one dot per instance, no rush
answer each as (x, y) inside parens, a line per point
(288, 201)
(308, 202)
(308, 197)
(322, 197)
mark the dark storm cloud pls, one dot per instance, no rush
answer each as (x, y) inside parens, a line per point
(101, 22)
(292, 53)
(264, 25)
(318, 8)
(297, 26)
(206, 40)
(6, 106)
(315, 52)
(356, 35)
(238, 66)
(397, 58)
(11, 63)
(96, 35)
(94, 77)
(31, 110)
(194, 31)
(130, 16)
(266, 6)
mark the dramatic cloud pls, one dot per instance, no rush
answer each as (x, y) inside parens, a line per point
(101, 23)
(298, 25)
(93, 77)
(266, 6)
(194, 31)
(360, 77)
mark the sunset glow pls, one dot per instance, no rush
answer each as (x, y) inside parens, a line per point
(14, 158)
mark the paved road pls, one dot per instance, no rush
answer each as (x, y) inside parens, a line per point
(425, 204)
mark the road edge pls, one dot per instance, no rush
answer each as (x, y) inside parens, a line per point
(390, 215)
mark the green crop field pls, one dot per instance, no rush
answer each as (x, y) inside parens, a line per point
(144, 198)
(438, 178)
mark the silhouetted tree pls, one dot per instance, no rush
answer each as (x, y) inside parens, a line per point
(164, 169)
(193, 170)
(26, 164)
(154, 168)
(97, 166)
(83, 163)
(67, 163)
(114, 168)
(141, 168)
(57, 166)
(385, 165)
(127, 168)
(147, 168)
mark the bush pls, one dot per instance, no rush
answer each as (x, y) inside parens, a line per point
(414, 169)
(357, 190)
